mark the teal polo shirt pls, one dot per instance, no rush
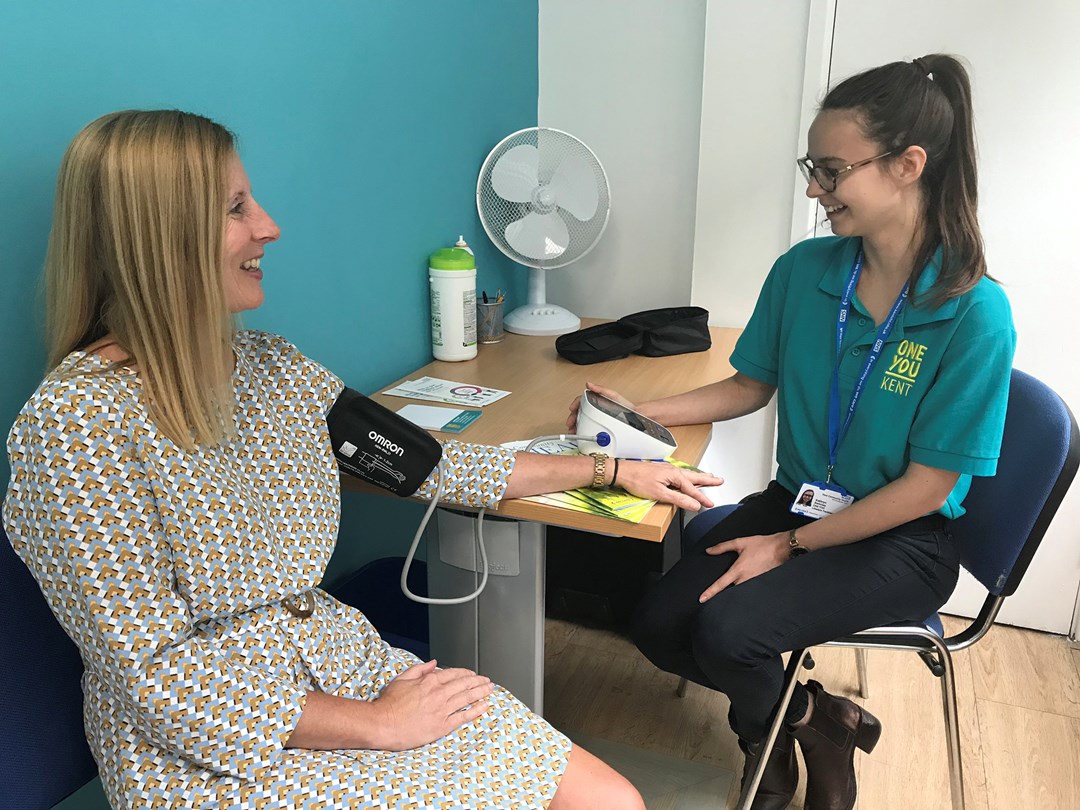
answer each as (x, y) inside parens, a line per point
(936, 395)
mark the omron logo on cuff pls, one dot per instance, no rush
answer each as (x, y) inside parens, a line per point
(386, 444)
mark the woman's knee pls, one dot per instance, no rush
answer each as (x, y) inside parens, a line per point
(726, 634)
(589, 783)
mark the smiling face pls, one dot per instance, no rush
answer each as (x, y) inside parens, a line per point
(248, 230)
(867, 199)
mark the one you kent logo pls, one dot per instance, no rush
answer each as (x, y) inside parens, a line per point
(903, 368)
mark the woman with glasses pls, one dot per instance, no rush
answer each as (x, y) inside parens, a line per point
(889, 350)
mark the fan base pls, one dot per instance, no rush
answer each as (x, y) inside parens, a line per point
(541, 319)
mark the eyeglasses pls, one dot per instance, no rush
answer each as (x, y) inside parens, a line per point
(825, 176)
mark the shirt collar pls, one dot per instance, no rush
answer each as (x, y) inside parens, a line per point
(836, 276)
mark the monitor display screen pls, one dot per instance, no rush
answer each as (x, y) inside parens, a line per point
(630, 417)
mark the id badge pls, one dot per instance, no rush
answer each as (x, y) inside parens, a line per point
(817, 499)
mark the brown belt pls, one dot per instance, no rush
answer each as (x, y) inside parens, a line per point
(300, 606)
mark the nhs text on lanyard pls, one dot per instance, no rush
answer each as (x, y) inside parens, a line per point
(827, 497)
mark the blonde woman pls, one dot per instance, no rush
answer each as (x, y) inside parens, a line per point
(174, 493)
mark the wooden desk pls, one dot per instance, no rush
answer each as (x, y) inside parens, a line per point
(542, 385)
(501, 633)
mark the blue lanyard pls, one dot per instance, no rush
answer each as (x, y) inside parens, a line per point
(836, 430)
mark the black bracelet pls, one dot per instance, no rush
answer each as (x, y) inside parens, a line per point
(616, 475)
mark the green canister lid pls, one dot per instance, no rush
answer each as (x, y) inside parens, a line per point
(452, 259)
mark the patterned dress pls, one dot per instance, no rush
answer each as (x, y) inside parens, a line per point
(169, 569)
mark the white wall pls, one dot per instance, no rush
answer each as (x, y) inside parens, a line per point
(754, 57)
(750, 111)
(625, 77)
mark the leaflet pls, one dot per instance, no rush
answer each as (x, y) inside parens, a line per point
(435, 390)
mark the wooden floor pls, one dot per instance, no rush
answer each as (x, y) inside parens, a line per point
(1019, 707)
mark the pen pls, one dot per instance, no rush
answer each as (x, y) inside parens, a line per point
(499, 296)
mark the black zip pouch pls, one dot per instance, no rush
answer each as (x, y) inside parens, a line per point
(652, 333)
(672, 330)
(596, 344)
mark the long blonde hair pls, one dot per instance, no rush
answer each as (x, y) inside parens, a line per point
(135, 251)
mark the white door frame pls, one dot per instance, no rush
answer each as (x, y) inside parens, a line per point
(816, 74)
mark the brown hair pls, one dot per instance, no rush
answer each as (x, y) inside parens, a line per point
(927, 103)
(135, 251)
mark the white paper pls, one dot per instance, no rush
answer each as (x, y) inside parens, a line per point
(436, 390)
(430, 416)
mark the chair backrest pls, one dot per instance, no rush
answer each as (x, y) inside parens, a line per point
(1008, 514)
(43, 752)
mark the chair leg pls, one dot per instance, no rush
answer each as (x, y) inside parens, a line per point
(680, 690)
(791, 677)
(952, 728)
(860, 667)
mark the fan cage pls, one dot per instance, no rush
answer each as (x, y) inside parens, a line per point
(553, 147)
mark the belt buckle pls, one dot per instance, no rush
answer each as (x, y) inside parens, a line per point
(302, 610)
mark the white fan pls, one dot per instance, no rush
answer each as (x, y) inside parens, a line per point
(543, 199)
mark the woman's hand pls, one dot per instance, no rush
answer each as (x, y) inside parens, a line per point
(757, 554)
(666, 483)
(575, 404)
(423, 704)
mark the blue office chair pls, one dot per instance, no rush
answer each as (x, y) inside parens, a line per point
(375, 590)
(1006, 518)
(43, 752)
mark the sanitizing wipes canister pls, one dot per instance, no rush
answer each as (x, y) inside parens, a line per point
(452, 278)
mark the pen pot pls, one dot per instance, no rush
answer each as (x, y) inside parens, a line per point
(489, 321)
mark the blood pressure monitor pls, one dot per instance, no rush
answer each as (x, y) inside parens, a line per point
(620, 431)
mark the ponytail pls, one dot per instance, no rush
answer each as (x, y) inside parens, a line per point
(927, 103)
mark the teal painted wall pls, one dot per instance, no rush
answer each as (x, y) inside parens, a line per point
(362, 126)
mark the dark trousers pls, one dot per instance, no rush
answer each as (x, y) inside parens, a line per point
(732, 643)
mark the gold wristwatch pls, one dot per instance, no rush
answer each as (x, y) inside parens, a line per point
(599, 476)
(794, 548)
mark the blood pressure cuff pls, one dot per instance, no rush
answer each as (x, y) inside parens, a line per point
(378, 446)
(652, 333)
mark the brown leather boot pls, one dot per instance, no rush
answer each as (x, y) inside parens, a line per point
(781, 776)
(828, 739)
